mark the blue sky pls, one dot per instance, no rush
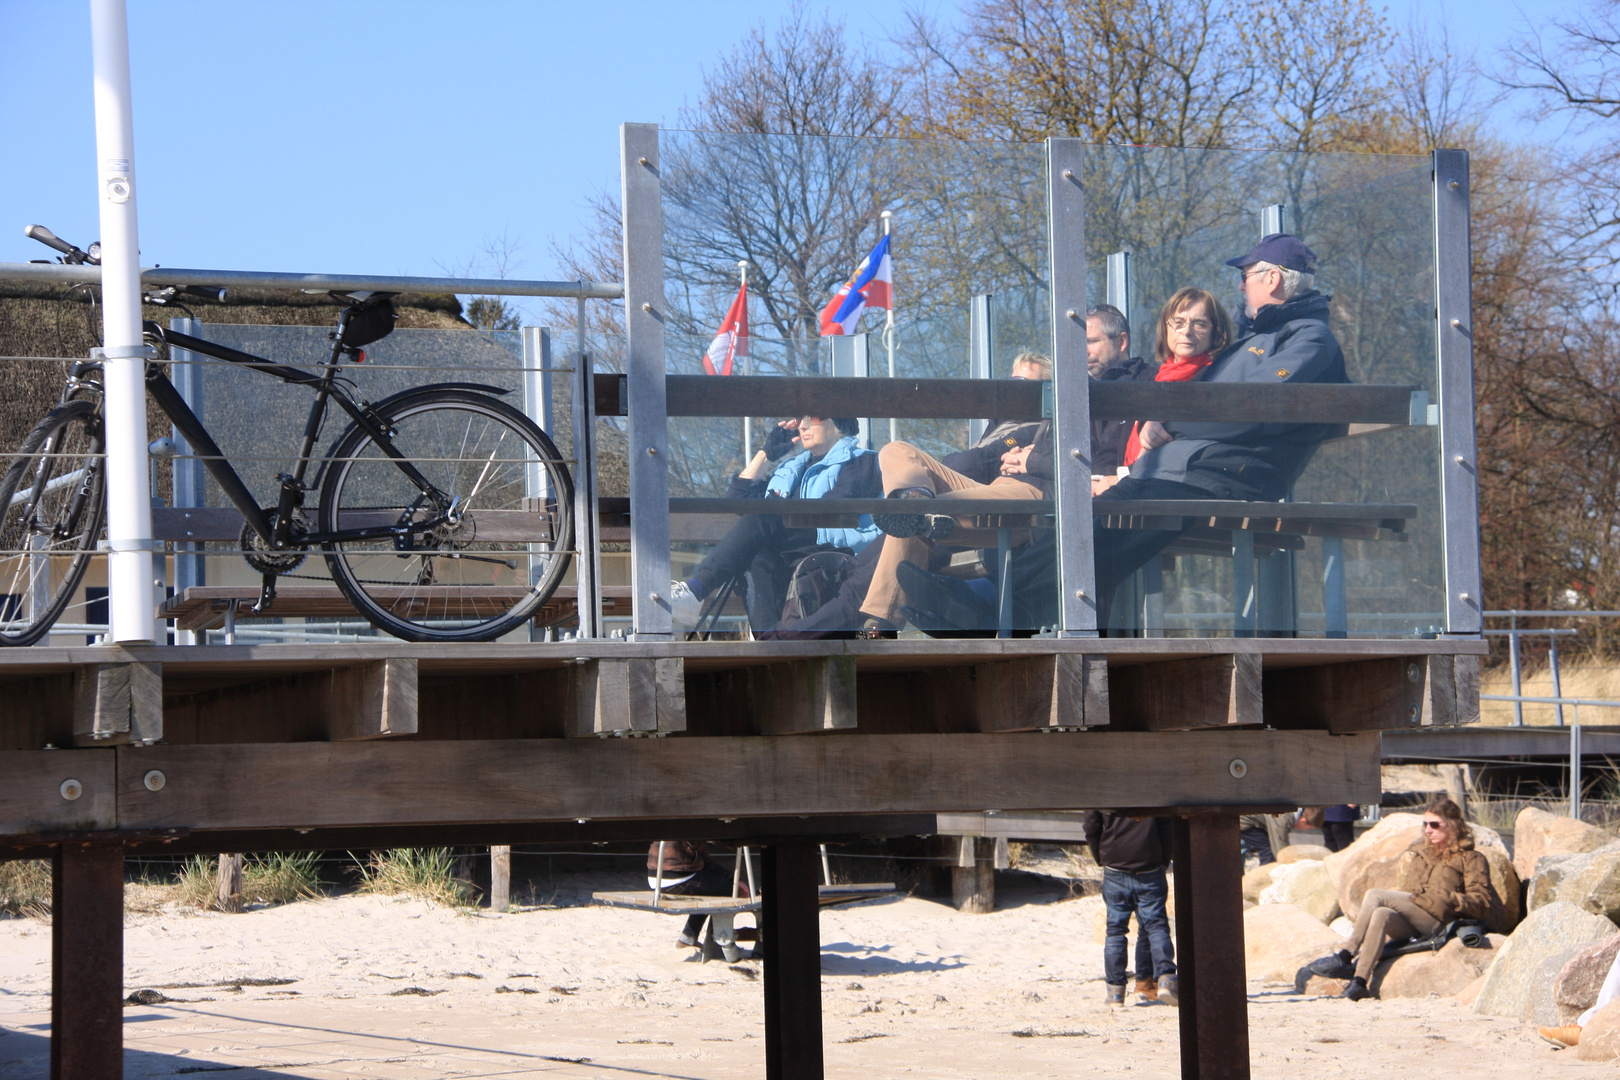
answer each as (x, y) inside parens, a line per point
(378, 137)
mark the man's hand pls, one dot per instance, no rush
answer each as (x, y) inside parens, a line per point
(1154, 435)
(1100, 484)
(1013, 462)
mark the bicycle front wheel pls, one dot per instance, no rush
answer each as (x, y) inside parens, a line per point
(474, 557)
(52, 497)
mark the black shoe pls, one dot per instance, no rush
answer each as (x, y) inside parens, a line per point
(1356, 989)
(941, 603)
(874, 629)
(905, 526)
(1336, 966)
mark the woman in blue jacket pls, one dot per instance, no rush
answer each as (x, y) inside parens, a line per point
(830, 463)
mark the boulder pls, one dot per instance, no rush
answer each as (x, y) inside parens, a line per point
(1537, 833)
(1470, 993)
(1600, 1038)
(1279, 939)
(1554, 930)
(1575, 988)
(1542, 1009)
(1255, 881)
(1590, 880)
(1294, 853)
(1378, 858)
(1306, 885)
(1444, 973)
(1342, 926)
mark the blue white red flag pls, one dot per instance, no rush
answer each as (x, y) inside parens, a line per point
(872, 286)
(732, 339)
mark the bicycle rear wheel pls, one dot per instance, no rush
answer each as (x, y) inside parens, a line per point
(52, 498)
(483, 552)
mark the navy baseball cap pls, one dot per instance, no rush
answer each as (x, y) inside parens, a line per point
(1279, 249)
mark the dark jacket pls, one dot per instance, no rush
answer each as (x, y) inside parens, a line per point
(1287, 342)
(681, 857)
(1122, 843)
(1108, 437)
(1451, 884)
(982, 460)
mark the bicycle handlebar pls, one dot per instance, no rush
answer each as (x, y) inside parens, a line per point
(49, 239)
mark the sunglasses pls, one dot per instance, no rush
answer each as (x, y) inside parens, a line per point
(1434, 824)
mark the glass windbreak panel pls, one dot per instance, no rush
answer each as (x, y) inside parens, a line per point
(1357, 550)
(967, 221)
(259, 422)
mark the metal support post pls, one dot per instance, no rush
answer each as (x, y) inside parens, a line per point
(537, 406)
(1153, 597)
(1118, 289)
(1071, 392)
(129, 507)
(852, 359)
(1557, 682)
(1271, 219)
(87, 961)
(981, 338)
(588, 556)
(1335, 604)
(1278, 606)
(791, 935)
(1243, 599)
(1214, 1011)
(1515, 672)
(1575, 766)
(188, 489)
(648, 438)
(1454, 352)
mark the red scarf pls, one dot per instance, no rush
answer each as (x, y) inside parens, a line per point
(1174, 369)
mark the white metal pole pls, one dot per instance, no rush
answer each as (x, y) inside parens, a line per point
(748, 369)
(888, 316)
(129, 511)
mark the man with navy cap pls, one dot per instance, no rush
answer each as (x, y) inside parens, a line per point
(1282, 337)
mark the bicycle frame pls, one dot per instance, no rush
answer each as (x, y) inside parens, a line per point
(278, 533)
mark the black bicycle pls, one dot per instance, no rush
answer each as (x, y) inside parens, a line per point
(443, 513)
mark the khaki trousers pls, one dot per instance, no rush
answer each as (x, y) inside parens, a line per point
(905, 466)
(1385, 915)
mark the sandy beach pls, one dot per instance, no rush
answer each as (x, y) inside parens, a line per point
(392, 988)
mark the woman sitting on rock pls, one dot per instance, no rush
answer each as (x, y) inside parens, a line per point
(1448, 879)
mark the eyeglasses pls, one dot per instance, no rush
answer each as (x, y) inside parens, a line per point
(1202, 326)
(1434, 824)
(1245, 275)
(806, 421)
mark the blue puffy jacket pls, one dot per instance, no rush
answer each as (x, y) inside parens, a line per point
(798, 477)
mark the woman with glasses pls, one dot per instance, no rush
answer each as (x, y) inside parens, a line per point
(1447, 880)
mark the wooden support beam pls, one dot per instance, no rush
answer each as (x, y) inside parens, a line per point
(639, 695)
(1364, 695)
(38, 712)
(1185, 695)
(117, 703)
(973, 878)
(1209, 938)
(500, 877)
(228, 890)
(87, 962)
(1450, 691)
(1042, 693)
(802, 696)
(305, 785)
(373, 701)
(790, 934)
(57, 791)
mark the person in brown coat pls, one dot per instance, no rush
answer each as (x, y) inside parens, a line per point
(1445, 880)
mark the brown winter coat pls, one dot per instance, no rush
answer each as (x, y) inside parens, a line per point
(1453, 883)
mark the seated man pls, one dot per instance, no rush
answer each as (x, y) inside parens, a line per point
(1282, 336)
(1109, 359)
(981, 461)
(831, 464)
(1022, 471)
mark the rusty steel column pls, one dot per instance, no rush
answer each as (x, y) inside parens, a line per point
(87, 961)
(791, 935)
(1209, 949)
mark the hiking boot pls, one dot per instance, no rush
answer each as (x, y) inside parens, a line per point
(905, 526)
(1115, 995)
(1355, 989)
(1147, 990)
(1334, 966)
(1561, 1037)
(1170, 989)
(685, 609)
(875, 628)
(943, 603)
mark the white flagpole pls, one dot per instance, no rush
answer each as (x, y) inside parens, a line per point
(748, 369)
(130, 566)
(888, 320)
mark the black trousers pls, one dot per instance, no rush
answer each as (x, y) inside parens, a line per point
(757, 545)
(1120, 552)
(1338, 835)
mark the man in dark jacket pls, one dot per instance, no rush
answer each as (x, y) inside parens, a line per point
(1109, 359)
(1133, 853)
(1283, 337)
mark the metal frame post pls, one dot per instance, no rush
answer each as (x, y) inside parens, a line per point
(1118, 288)
(1271, 219)
(1516, 671)
(587, 553)
(648, 439)
(1335, 603)
(188, 487)
(129, 506)
(1071, 392)
(1575, 766)
(537, 406)
(981, 338)
(1454, 354)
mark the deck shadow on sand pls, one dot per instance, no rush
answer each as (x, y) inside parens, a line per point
(847, 958)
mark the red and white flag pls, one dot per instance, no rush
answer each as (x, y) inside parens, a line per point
(732, 340)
